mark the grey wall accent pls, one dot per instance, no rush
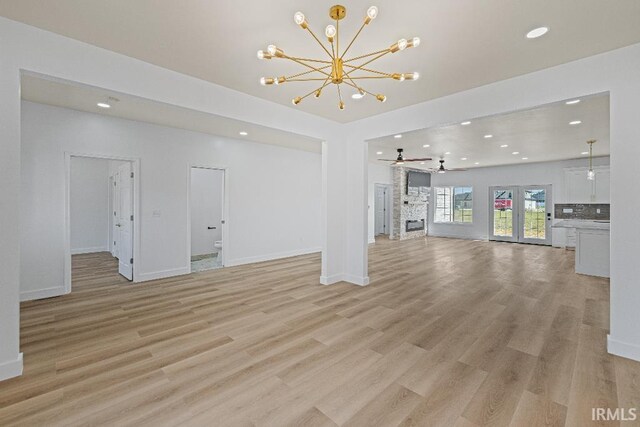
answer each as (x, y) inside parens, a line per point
(582, 211)
(415, 207)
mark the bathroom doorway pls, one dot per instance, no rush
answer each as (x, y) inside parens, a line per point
(207, 218)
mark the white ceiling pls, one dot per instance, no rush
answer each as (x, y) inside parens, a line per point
(465, 43)
(85, 98)
(540, 134)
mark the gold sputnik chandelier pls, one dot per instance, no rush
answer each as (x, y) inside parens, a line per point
(336, 69)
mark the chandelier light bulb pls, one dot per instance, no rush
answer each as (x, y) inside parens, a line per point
(299, 18)
(380, 97)
(591, 175)
(372, 12)
(318, 93)
(402, 44)
(341, 105)
(330, 31)
(264, 81)
(260, 54)
(414, 42)
(272, 49)
(412, 76)
(296, 100)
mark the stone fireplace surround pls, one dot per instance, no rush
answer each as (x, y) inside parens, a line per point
(407, 207)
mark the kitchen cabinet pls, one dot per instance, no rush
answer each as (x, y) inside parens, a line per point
(578, 189)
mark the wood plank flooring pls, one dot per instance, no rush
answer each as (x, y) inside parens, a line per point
(448, 333)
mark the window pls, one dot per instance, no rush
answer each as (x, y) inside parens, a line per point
(453, 204)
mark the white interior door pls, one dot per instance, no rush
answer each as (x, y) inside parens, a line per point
(124, 223)
(381, 207)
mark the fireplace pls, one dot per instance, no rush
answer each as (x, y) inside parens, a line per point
(414, 225)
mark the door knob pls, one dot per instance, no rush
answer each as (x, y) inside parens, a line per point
(118, 225)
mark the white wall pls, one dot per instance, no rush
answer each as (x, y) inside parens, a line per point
(274, 192)
(483, 178)
(206, 201)
(89, 199)
(378, 174)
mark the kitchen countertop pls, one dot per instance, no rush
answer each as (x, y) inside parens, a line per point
(583, 224)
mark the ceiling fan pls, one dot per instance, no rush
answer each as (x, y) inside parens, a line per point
(400, 160)
(442, 169)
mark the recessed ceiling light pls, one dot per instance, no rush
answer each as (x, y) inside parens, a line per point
(488, 136)
(243, 133)
(426, 146)
(422, 163)
(504, 146)
(448, 152)
(465, 123)
(537, 32)
(397, 136)
(476, 163)
(525, 158)
(463, 158)
(515, 152)
(378, 152)
(103, 105)
(358, 95)
(575, 122)
(573, 101)
(584, 153)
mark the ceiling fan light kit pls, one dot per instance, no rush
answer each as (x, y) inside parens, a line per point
(336, 69)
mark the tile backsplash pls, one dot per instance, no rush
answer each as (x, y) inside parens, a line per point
(598, 211)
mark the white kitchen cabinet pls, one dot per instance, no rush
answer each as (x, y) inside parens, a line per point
(579, 189)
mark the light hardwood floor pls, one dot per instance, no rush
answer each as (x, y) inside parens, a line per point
(449, 332)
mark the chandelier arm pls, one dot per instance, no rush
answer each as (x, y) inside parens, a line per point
(368, 70)
(339, 94)
(319, 42)
(312, 79)
(368, 62)
(308, 66)
(337, 38)
(352, 40)
(306, 59)
(304, 73)
(359, 88)
(326, 83)
(368, 77)
(366, 55)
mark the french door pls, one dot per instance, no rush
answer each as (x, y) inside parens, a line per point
(520, 214)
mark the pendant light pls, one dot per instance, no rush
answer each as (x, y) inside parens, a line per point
(591, 175)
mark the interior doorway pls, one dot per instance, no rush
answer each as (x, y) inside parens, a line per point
(382, 205)
(100, 219)
(520, 214)
(207, 210)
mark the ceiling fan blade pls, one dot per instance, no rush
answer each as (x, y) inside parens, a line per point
(388, 160)
(456, 169)
(418, 160)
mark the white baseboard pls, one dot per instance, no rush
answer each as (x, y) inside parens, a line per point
(42, 293)
(350, 278)
(623, 349)
(453, 236)
(163, 274)
(79, 251)
(371, 241)
(270, 257)
(11, 368)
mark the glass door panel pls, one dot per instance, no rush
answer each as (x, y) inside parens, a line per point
(502, 201)
(535, 215)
